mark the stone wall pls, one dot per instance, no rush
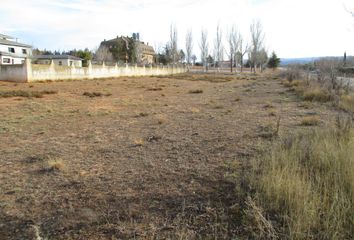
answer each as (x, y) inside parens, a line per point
(13, 73)
(29, 72)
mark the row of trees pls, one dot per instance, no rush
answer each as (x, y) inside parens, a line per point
(235, 48)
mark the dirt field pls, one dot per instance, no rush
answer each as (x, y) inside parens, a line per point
(137, 158)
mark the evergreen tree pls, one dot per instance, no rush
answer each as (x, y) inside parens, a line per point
(274, 61)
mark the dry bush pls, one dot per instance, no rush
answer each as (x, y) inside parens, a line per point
(154, 89)
(142, 114)
(293, 72)
(316, 94)
(306, 183)
(310, 121)
(55, 165)
(288, 83)
(96, 94)
(196, 91)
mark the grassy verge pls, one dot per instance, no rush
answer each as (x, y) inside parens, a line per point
(312, 91)
(304, 187)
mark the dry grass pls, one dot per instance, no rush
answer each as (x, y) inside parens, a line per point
(307, 183)
(161, 120)
(139, 142)
(268, 105)
(256, 224)
(195, 110)
(346, 102)
(272, 112)
(294, 83)
(310, 121)
(26, 94)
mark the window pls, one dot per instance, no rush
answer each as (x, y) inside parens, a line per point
(24, 51)
(60, 63)
(6, 60)
(11, 50)
(71, 63)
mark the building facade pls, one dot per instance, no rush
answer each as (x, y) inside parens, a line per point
(60, 60)
(13, 52)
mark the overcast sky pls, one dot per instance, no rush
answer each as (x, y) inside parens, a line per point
(293, 28)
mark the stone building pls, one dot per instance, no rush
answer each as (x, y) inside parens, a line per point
(126, 49)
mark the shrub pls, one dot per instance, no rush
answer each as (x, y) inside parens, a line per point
(316, 94)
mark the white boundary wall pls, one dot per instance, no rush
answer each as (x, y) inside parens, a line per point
(29, 72)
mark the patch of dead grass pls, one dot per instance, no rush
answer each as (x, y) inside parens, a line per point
(310, 121)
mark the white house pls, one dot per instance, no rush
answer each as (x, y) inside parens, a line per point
(13, 52)
(61, 60)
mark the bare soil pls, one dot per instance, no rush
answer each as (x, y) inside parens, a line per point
(137, 158)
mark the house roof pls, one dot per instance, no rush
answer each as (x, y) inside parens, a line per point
(12, 43)
(147, 49)
(57, 57)
(3, 36)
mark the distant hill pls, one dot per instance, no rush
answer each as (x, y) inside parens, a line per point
(287, 61)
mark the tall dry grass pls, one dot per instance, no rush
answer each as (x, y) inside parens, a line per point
(306, 184)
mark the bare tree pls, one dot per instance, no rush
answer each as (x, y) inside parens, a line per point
(103, 54)
(257, 38)
(243, 49)
(218, 46)
(262, 58)
(234, 44)
(204, 48)
(232, 49)
(173, 44)
(189, 46)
